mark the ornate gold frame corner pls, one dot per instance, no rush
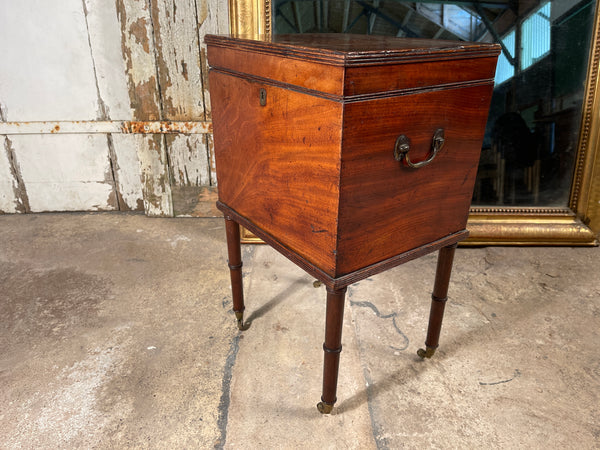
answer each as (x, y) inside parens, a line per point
(250, 17)
(579, 224)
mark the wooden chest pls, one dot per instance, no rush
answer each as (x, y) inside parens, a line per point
(350, 155)
(306, 128)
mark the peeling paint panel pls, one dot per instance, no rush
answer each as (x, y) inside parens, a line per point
(211, 157)
(189, 165)
(137, 49)
(178, 57)
(8, 200)
(156, 186)
(18, 186)
(105, 42)
(139, 54)
(180, 83)
(213, 18)
(71, 196)
(127, 170)
(76, 178)
(196, 201)
(46, 68)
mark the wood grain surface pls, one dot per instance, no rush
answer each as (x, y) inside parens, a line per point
(387, 208)
(279, 164)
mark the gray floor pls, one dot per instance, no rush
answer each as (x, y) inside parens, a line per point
(116, 332)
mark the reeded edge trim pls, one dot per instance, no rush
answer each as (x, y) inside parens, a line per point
(353, 277)
(259, 43)
(520, 229)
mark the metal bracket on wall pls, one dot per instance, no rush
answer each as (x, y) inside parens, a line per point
(105, 126)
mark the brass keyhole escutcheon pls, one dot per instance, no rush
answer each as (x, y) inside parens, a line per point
(263, 97)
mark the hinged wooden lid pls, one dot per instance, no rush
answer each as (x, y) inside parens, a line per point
(349, 67)
(342, 49)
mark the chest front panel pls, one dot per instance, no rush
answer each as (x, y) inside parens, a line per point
(278, 164)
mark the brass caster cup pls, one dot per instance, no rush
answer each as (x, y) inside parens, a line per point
(240, 320)
(426, 353)
(324, 408)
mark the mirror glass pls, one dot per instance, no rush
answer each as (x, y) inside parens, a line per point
(532, 134)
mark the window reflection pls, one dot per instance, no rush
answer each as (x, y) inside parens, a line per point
(505, 69)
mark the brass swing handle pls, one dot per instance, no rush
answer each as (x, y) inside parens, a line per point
(403, 146)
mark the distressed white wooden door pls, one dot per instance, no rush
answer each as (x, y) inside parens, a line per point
(104, 105)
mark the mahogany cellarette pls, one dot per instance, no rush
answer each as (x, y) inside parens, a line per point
(349, 155)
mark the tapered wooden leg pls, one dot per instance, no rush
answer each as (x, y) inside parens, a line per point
(334, 319)
(234, 250)
(438, 300)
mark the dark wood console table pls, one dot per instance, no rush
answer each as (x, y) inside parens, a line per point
(349, 155)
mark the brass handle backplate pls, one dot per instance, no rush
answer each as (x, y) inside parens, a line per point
(402, 148)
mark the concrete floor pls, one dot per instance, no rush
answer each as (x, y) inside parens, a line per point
(116, 332)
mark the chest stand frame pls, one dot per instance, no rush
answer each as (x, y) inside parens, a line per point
(336, 291)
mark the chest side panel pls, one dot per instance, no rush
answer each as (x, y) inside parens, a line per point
(278, 164)
(364, 80)
(387, 208)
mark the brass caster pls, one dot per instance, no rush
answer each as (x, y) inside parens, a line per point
(240, 320)
(317, 283)
(324, 408)
(426, 353)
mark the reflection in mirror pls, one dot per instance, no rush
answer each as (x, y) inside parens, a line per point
(531, 140)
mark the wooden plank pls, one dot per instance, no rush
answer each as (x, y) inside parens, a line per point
(178, 59)
(131, 66)
(211, 158)
(77, 177)
(138, 51)
(180, 81)
(126, 169)
(178, 29)
(188, 158)
(196, 201)
(48, 74)
(104, 37)
(46, 66)
(212, 17)
(10, 197)
(113, 98)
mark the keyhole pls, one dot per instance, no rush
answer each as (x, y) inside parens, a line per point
(263, 97)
